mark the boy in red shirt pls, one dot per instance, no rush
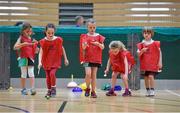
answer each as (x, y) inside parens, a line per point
(118, 60)
(91, 46)
(50, 55)
(26, 49)
(150, 56)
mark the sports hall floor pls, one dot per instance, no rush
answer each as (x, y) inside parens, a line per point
(67, 101)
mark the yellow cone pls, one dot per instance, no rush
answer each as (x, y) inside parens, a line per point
(83, 86)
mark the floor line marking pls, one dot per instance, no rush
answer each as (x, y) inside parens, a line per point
(171, 92)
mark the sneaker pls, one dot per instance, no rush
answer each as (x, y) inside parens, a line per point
(33, 91)
(53, 91)
(111, 93)
(126, 93)
(87, 91)
(48, 94)
(152, 93)
(24, 91)
(93, 94)
(148, 93)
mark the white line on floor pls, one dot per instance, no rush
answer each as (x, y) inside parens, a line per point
(169, 91)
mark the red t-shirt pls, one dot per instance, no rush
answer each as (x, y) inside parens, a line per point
(92, 53)
(52, 53)
(27, 51)
(117, 62)
(149, 60)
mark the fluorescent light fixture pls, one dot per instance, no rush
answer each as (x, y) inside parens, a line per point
(148, 21)
(159, 3)
(19, 2)
(15, 8)
(19, 14)
(3, 20)
(4, 14)
(159, 15)
(149, 9)
(150, 15)
(17, 20)
(137, 15)
(3, 1)
(153, 3)
(138, 3)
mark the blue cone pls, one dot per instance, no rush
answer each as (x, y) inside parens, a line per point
(77, 89)
(117, 88)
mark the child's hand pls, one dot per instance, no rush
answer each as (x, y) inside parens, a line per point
(39, 66)
(37, 50)
(160, 66)
(34, 41)
(144, 49)
(106, 71)
(27, 43)
(84, 45)
(66, 62)
(95, 43)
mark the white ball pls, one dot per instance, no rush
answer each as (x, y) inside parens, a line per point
(105, 75)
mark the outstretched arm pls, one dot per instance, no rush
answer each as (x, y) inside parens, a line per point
(101, 45)
(66, 62)
(126, 66)
(19, 45)
(160, 59)
(40, 58)
(107, 67)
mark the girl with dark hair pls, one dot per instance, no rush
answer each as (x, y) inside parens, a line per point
(50, 55)
(26, 48)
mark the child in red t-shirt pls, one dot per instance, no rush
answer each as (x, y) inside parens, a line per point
(26, 49)
(91, 46)
(118, 60)
(50, 55)
(150, 56)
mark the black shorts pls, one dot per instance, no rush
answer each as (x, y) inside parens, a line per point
(88, 64)
(147, 73)
(30, 62)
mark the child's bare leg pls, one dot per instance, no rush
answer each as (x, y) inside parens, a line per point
(23, 85)
(32, 82)
(23, 82)
(87, 80)
(125, 81)
(23, 76)
(146, 81)
(147, 84)
(93, 81)
(151, 81)
(113, 83)
(31, 75)
(93, 76)
(32, 90)
(88, 76)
